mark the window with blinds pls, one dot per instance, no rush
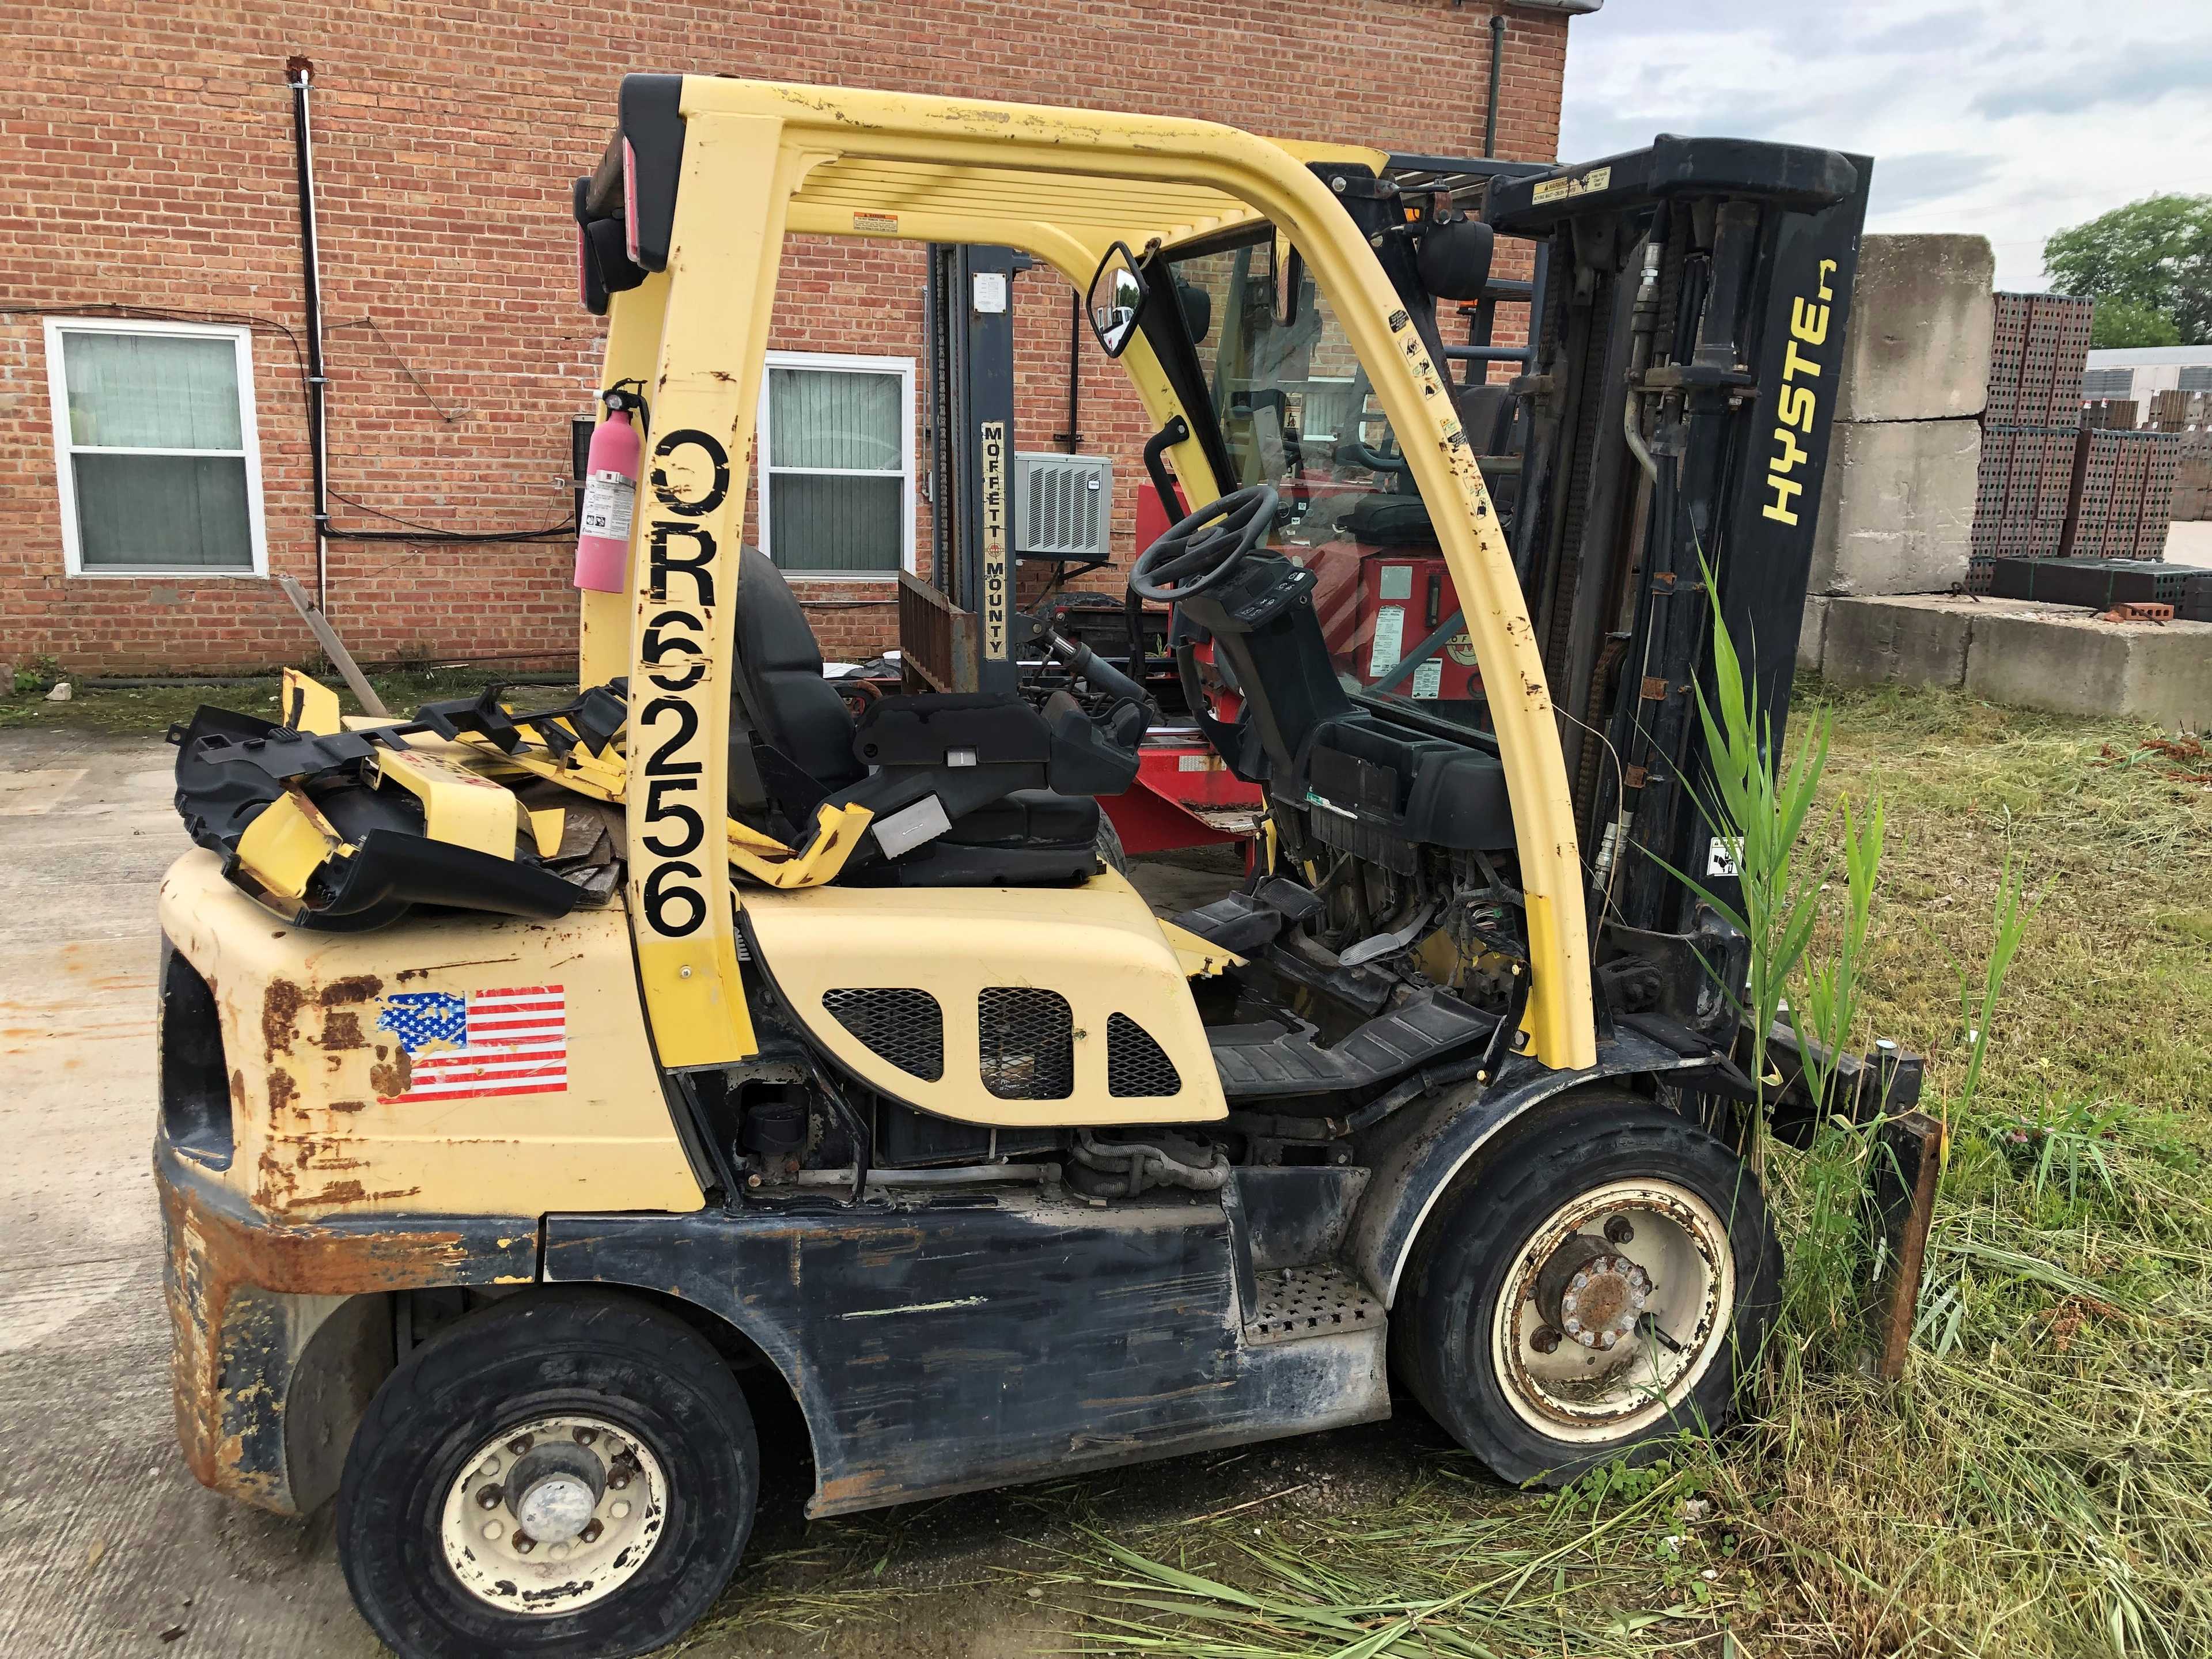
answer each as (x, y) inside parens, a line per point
(2108, 382)
(2196, 377)
(836, 448)
(154, 448)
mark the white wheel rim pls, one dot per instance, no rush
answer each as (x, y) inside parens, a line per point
(1680, 1243)
(595, 1495)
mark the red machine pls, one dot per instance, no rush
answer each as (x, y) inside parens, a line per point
(1380, 607)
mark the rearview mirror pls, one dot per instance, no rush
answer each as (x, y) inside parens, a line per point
(1117, 299)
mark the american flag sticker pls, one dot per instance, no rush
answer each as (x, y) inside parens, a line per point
(508, 1042)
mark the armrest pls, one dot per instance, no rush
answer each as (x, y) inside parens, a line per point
(953, 729)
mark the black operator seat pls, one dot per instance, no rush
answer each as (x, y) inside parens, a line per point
(1490, 415)
(792, 746)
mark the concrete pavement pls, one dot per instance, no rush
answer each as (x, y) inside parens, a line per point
(106, 1543)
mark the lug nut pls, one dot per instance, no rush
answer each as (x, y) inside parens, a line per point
(1618, 1230)
(490, 1498)
(524, 1543)
(590, 1533)
(585, 1437)
(618, 1479)
(1544, 1340)
(520, 1444)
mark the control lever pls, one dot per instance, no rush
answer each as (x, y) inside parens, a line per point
(1087, 664)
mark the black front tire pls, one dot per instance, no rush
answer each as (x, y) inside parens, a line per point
(1442, 1331)
(526, 1356)
(1108, 846)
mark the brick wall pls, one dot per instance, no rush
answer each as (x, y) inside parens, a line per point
(153, 168)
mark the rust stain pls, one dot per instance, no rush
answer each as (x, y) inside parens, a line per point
(280, 1013)
(405, 973)
(349, 1105)
(282, 1092)
(359, 987)
(210, 1256)
(342, 1029)
(389, 1077)
(849, 1488)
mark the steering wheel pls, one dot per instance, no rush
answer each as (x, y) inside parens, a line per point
(1200, 551)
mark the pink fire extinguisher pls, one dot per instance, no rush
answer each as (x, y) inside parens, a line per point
(610, 495)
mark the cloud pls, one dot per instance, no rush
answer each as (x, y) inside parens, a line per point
(1940, 32)
(2131, 78)
(1908, 181)
(1920, 90)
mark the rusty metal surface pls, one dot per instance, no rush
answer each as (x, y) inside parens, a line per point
(941, 1347)
(1907, 1162)
(321, 1112)
(235, 1282)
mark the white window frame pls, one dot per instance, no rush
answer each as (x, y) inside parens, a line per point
(242, 339)
(839, 363)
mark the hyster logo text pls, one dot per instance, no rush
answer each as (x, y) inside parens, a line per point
(1801, 399)
(994, 540)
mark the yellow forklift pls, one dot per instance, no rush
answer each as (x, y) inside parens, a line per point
(539, 1085)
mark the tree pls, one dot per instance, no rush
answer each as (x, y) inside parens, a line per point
(2124, 323)
(2155, 255)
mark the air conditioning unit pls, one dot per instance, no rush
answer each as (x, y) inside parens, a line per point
(1063, 506)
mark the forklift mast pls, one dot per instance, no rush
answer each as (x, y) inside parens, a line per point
(970, 320)
(1692, 336)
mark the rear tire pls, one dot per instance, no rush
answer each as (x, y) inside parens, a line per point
(639, 1468)
(1502, 1356)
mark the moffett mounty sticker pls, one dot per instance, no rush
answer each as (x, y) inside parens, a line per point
(996, 596)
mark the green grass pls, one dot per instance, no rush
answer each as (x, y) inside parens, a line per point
(2040, 1484)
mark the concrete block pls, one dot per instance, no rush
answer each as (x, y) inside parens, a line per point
(1897, 507)
(1919, 345)
(2057, 657)
(1910, 642)
(1812, 635)
(2067, 662)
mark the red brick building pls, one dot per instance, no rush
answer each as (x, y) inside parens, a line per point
(153, 459)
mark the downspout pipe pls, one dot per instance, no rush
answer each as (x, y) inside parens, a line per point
(301, 74)
(1497, 67)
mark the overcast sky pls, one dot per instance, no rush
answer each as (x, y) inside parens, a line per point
(2011, 117)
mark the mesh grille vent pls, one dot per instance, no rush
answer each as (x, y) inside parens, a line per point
(1028, 1043)
(903, 1026)
(1136, 1066)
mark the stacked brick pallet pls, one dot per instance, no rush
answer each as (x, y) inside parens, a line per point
(2188, 415)
(2192, 478)
(2038, 350)
(2058, 479)
(2123, 495)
